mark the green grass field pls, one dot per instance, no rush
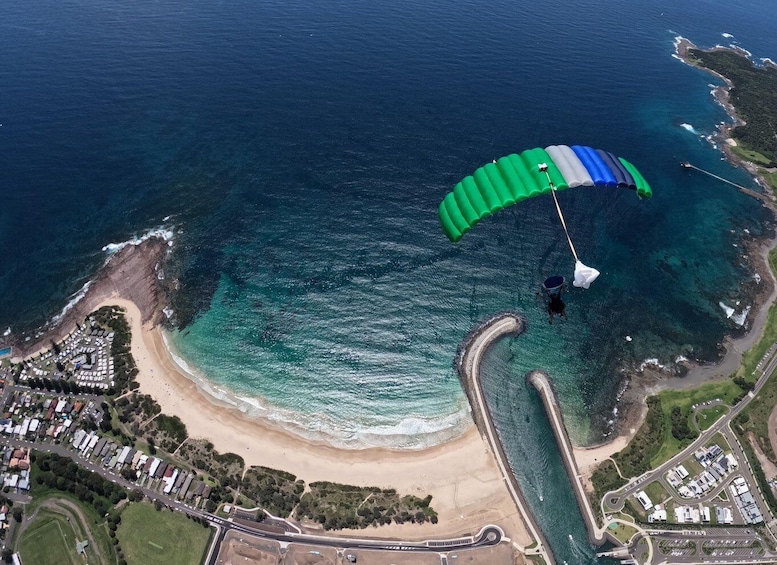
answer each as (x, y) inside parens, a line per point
(771, 178)
(149, 537)
(750, 155)
(656, 492)
(708, 416)
(726, 390)
(50, 540)
(623, 532)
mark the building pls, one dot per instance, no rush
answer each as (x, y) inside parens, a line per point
(647, 504)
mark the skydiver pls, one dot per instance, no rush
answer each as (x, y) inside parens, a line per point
(552, 290)
(556, 306)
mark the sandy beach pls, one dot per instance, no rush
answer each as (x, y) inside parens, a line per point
(461, 475)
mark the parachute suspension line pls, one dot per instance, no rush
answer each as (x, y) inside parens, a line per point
(558, 209)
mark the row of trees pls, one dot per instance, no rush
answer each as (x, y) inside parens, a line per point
(635, 459)
(63, 386)
(61, 473)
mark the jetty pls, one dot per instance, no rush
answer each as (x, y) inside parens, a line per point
(541, 382)
(748, 191)
(468, 360)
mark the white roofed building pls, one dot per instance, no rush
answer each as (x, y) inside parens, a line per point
(644, 500)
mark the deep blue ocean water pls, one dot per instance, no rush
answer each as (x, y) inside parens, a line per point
(299, 151)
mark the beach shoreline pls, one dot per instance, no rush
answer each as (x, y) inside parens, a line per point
(461, 475)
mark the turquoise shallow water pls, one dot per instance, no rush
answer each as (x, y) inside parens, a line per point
(299, 152)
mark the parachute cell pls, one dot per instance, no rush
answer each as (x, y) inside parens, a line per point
(516, 177)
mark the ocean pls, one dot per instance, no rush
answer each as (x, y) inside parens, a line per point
(298, 152)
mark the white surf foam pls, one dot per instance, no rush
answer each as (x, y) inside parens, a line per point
(412, 432)
(690, 128)
(727, 35)
(652, 362)
(165, 233)
(741, 318)
(738, 318)
(74, 299)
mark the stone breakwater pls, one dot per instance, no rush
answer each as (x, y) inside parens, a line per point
(542, 383)
(468, 358)
(511, 323)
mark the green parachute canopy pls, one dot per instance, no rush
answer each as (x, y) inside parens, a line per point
(515, 178)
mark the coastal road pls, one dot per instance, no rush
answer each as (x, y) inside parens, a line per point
(488, 535)
(614, 499)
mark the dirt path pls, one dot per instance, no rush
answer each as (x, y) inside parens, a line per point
(771, 425)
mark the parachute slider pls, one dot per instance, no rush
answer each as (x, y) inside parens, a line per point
(584, 275)
(543, 167)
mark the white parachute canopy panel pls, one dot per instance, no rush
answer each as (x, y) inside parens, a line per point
(584, 275)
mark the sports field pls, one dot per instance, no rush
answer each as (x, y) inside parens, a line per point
(50, 540)
(151, 537)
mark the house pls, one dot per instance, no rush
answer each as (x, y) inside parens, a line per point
(704, 512)
(153, 466)
(123, 455)
(186, 484)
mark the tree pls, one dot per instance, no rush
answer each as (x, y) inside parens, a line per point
(17, 514)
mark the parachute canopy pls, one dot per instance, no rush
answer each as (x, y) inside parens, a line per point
(515, 178)
(553, 285)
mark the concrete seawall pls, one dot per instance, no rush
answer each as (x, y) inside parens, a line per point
(468, 360)
(542, 383)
